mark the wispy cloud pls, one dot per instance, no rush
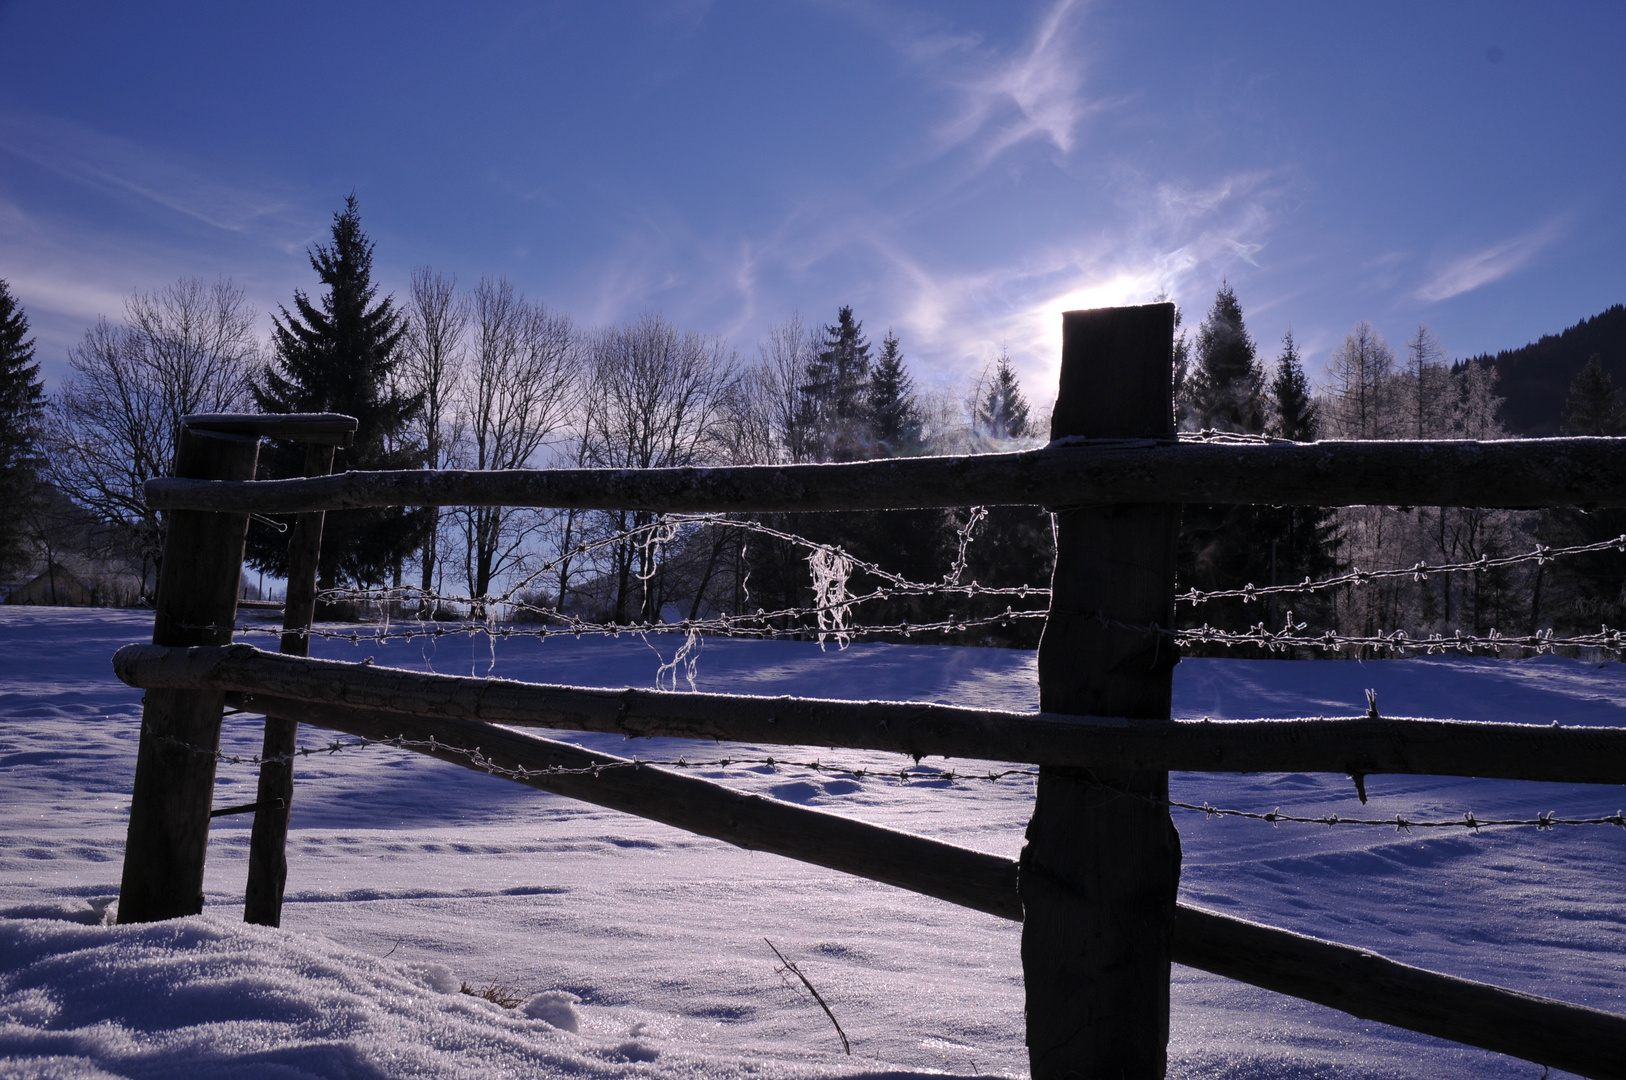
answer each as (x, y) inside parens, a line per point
(1036, 93)
(141, 219)
(112, 164)
(954, 318)
(1469, 272)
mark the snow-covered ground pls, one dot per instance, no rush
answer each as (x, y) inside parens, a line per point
(409, 877)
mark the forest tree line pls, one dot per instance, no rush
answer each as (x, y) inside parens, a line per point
(481, 377)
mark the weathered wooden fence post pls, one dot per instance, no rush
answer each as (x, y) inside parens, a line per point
(1101, 866)
(180, 729)
(268, 843)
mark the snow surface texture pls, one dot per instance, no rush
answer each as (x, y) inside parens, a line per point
(409, 877)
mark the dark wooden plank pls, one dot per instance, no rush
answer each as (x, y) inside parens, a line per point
(268, 842)
(1573, 1037)
(1357, 744)
(1588, 1042)
(197, 603)
(1100, 872)
(960, 875)
(1515, 473)
(329, 429)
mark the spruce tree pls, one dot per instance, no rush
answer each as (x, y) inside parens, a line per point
(1295, 409)
(1002, 412)
(1586, 589)
(835, 390)
(1303, 539)
(1227, 385)
(339, 355)
(22, 400)
(894, 416)
(1595, 406)
(1014, 543)
(1224, 546)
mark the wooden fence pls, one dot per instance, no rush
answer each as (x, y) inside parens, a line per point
(1096, 885)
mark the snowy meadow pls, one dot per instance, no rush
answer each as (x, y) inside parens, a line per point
(635, 949)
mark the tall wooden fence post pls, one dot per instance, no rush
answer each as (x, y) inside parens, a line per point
(268, 843)
(1101, 866)
(180, 729)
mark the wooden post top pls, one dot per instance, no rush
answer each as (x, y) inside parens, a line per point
(328, 429)
(1116, 380)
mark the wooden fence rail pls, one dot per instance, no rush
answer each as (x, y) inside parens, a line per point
(1357, 981)
(1348, 745)
(1514, 473)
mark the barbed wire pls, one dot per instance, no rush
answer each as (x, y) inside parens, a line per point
(1293, 635)
(833, 616)
(664, 531)
(747, 626)
(1540, 555)
(1400, 822)
(905, 775)
(1237, 438)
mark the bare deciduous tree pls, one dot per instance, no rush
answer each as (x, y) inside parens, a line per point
(1360, 370)
(516, 394)
(433, 361)
(656, 398)
(186, 348)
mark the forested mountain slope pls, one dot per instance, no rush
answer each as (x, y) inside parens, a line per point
(1536, 379)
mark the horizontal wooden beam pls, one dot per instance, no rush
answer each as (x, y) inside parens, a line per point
(332, 429)
(1509, 473)
(959, 875)
(1354, 745)
(1577, 1039)
(1581, 1040)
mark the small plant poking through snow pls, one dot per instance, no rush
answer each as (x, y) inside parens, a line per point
(790, 966)
(496, 994)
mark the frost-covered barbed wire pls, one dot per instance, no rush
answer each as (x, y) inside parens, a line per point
(755, 626)
(906, 775)
(1293, 635)
(1236, 438)
(663, 532)
(1540, 555)
(1296, 635)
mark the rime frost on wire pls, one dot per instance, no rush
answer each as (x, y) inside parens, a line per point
(685, 661)
(831, 601)
(964, 535)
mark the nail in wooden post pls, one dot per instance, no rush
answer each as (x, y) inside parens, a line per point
(268, 843)
(1101, 866)
(180, 729)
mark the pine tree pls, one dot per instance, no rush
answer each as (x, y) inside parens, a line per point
(1225, 546)
(22, 400)
(1227, 385)
(1303, 539)
(340, 356)
(894, 415)
(835, 390)
(1595, 406)
(1587, 589)
(1002, 411)
(1182, 367)
(1295, 409)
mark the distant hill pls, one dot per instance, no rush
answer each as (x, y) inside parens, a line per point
(1536, 379)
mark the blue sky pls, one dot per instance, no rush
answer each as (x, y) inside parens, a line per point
(960, 172)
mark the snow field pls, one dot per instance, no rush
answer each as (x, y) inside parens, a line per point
(408, 875)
